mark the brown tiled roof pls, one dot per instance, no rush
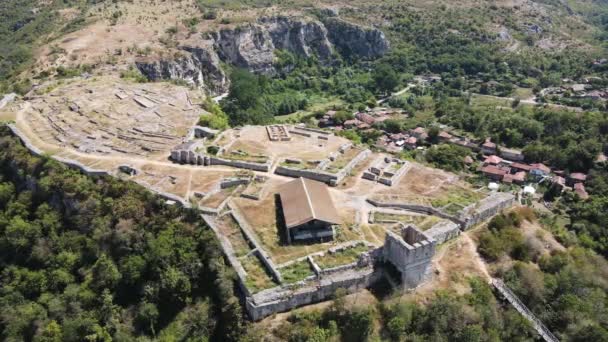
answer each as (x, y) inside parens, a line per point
(304, 200)
(445, 135)
(411, 140)
(493, 170)
(559, 180)
(540, 166)
(521, 166)
(517, 177)
(368, 119)
(493, 159)
(578, 176)
(579, 188)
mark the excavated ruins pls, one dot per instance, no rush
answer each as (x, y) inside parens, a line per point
(390, 214)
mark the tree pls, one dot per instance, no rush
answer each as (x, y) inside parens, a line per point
(447, 157)
(385, 78)
(343, 115)
(104, 273)
(51, 333)
(147, 315)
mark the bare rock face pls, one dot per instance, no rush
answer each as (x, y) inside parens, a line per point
(198, 66)
(356, 41)
(253, 47)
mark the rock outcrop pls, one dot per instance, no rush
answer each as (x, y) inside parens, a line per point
(253, 47)
(356, 41)
(197, 65)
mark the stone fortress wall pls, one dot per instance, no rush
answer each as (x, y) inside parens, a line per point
(410, 252)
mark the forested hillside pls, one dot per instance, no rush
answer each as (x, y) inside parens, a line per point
(104, 260)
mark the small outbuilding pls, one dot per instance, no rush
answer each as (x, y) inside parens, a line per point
(308, 210)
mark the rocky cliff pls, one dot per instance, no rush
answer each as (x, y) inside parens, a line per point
(197, 65)
(356, 41)
(253, 47)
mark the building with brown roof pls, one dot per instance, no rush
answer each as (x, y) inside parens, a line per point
(517, 178)
(521, 167)
(444, 136)
(366, 118)
(493, 172)
(577, 177)
(419, 133)
(488, 147)
(511, 154)
(411, 142)
(308, 210)
(539, 170)
(492, 160)
(579, 189)
(351, 123)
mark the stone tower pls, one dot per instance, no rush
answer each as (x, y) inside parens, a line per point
(411, 253)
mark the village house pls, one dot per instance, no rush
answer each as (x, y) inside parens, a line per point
(511, 154)
(348, 124)
(521, 167)
(365, 118)
(493, 172)
(517, 178)
(328, 119)
(488, 147)
(419, 133)
(492, 160)
(444, 136)
(579, 189)
(539, 170)
(576, 177)
(411, 143)
(559, 182)
(465, 143)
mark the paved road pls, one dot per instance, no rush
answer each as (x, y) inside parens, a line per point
(402, 91)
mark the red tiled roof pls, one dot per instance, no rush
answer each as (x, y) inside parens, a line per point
(578, 176)
(368, 119)
(490, 145)
(493, 159)
(419, 130)
(411, 140)
(493, 170)
(445, 135)
(517, 177)
(521, 166)
(559, 180)
(541, 167)
(579, 188)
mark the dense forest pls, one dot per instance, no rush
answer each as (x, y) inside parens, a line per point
(565, 289)
(99, 259)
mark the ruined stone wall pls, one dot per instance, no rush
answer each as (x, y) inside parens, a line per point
(351, 165)
(249, 235)
(240, 164)
(395, 177)
(314, 130)
(310, 174)
(486, 208)
(272, 301)
(416, 208)
(444, 231)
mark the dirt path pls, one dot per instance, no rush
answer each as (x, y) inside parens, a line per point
(476, 257)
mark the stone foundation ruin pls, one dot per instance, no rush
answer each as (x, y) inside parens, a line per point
(387, 171)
